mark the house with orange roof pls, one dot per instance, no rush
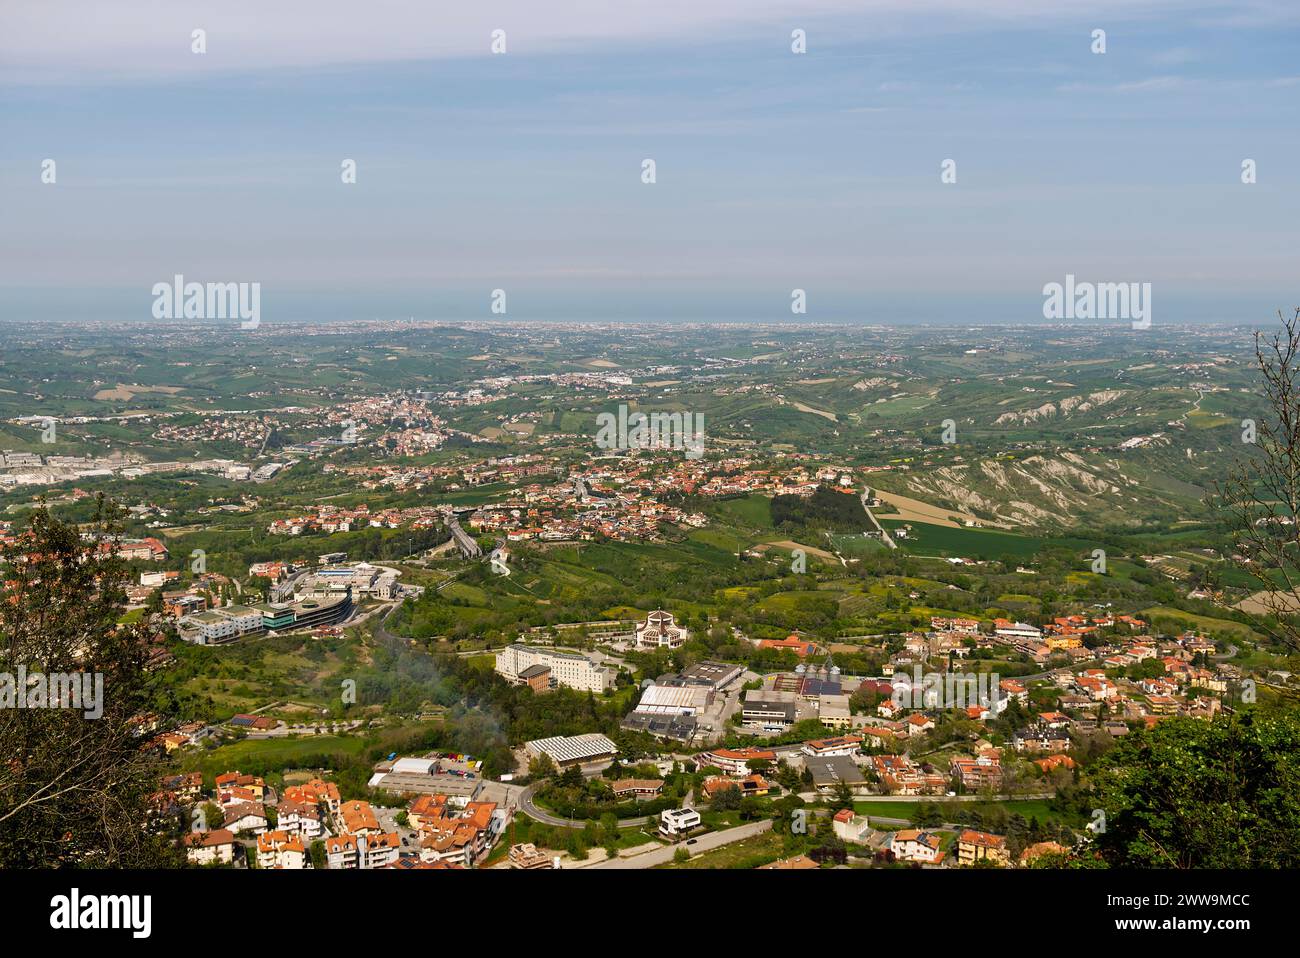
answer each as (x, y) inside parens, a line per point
(253, 783)
(1055, 761)
(362, 851)
(359, 818)
(974, 847)
(792, 643)
(914, 845)
(316, 792)
(215, 847)
(918, 725)
(1039, 849)
(281, 850)
(451, 833)
(749, 785)
(734, 761)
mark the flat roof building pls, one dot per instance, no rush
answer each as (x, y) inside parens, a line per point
(574, 749)
(829, 771)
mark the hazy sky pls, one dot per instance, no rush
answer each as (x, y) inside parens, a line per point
(522, 171)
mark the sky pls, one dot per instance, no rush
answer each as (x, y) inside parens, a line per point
(775, 171)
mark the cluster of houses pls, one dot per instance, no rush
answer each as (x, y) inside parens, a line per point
(327, 518)
(278, 831)
(574, 510)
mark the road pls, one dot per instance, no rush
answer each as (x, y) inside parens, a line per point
(661, 856)
(884, 536)
(537, 813)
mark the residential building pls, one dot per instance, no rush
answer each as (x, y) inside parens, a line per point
(973, 847)
(527, 857)
(639, 787)
(245, 817)
(299, 818)
(914, 845)
(362, 851)
(212, 847)
(838, 745)
(281, 850)
(358, 818)
(675, 822)
(734, 761)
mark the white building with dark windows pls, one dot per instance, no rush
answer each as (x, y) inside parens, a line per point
(678, 821)
(570, 669)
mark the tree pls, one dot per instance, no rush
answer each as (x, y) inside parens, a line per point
(74, 790)
(541, 766)
(609, 828)
(725, 800)
(1195, 794)
(829, 848)
(1261, 491)
(213, 816)
(843, 797)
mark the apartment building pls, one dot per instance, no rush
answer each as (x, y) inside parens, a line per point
(281, 850)
(361, 851)
(973, 846)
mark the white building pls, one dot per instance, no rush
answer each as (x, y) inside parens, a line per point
(678, 821)
(211, 847)
(1016, 630)
(660, 630)
(281, 850)
(570, 669)
(912, 845)
(362, 578)
(220, 625)
(360, 851)
(210, 627)
(246, 619)
(299, 818)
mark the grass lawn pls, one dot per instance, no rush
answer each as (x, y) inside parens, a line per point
(1202, 623)
(925, 539)
(749, 853)
(1029, 808)
(270, 752)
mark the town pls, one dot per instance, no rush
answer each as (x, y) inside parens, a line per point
(412, 626)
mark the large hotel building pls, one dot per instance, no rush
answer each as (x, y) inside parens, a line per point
(546, 668)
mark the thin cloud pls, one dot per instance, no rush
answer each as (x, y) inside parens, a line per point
(57, 41)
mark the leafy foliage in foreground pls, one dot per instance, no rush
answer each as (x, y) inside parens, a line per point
(74, 791)
(1195, 794)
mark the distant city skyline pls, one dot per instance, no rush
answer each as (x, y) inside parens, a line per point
(775, 171)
